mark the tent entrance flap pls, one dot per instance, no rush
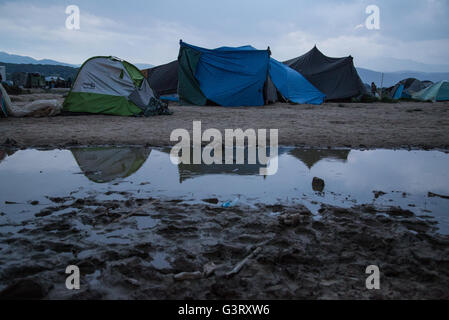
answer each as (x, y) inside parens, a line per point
(293, 86)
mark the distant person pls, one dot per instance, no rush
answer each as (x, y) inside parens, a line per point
(373, 88)
(1, 78)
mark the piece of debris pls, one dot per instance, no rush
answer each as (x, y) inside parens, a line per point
(240, 265)
(318, 184)
(229, 204)
(188, 275)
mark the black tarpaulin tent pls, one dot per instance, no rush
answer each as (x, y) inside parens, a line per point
(337, 78)
(163, 79)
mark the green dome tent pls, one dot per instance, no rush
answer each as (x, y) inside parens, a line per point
(437, 92)
(109, 85)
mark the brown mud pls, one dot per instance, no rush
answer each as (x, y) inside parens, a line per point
(204, 251)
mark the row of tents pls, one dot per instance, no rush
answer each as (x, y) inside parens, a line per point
(412, 88)
(226, 76)
(310, 78)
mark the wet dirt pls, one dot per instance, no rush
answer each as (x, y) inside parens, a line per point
(144, 248)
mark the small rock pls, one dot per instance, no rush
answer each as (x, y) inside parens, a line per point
(318, 184)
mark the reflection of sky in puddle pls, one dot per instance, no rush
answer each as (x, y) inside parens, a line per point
(350, 178)
(160, 260)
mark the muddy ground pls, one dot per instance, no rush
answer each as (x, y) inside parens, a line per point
(372, 125)
(188, 251)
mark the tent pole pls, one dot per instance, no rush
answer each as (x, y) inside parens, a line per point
(381, 85)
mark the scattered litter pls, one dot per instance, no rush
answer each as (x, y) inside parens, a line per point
(37, 108)
(240, 265)
(229, 204)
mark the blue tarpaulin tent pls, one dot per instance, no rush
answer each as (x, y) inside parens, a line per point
(226, 76)
(293, 86)
(236, 77)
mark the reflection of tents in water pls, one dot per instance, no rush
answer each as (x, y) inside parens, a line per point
(109, 163)
(311, 156)
(187, 171)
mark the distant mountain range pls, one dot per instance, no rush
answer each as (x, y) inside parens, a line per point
(383, 64)
(17, 59)
(14, 58)
(46, 67)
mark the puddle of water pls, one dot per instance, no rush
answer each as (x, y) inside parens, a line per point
(350, 176)
(160, 260)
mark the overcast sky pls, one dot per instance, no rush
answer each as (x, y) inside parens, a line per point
(149, 31)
